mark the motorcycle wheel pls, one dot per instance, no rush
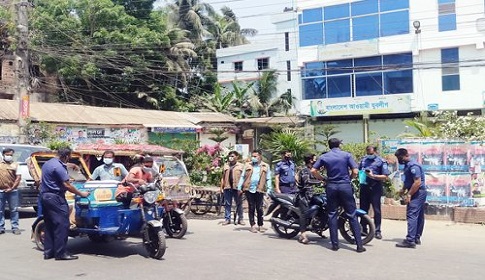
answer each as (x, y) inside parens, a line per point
(202, 205)
(177, 227)
(155, 245)
(39, 235)
(364, 221)
(288, 233)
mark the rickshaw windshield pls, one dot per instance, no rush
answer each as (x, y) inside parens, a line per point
(173, 167)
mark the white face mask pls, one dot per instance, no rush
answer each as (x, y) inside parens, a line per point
(8, 158)
(108, 161)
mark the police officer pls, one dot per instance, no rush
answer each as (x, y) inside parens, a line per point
(285, 174)
(414, 188)
(54, 184)
(305, 180)
(371, 190)
(339, 189)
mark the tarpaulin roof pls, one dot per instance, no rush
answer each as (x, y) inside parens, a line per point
(126, 149)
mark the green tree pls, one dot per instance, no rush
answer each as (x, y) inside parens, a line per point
(422, 124)
(138, 8)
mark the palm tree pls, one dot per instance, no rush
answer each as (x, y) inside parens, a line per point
(422, 124)
(261, 99)
(220, 101)
(191, 15)
(285, 139)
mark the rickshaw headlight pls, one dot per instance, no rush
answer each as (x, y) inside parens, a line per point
(150, 197)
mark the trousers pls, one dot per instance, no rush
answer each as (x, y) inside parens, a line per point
(56, 218)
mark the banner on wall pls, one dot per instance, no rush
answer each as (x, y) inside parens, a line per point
(436, 188)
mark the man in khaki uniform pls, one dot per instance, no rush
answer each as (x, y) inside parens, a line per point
(9, 181)
(255, 182)
(230, 177)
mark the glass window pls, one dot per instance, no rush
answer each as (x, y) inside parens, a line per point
(368, 84)
(390, 5)
(393, 61)
(300, 19)
(365, 27)
(445, 1)
(395, 23)
(339, 86)
(311, 34)
(313, 69)
(450, 55)
(263, 63)
(373, 63)
(398, 82)
(288, 70)
(336, 11)
(339, 67)
(312, 15)
(451, 82)
(238, 66)
(337, 31)
(447, 22)
(314, 88)
(364, 7)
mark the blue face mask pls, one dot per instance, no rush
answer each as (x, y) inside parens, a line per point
(371, 156)
(254, 160)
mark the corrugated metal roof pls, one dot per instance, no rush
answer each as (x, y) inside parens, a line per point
(273, 120)
(210, 117)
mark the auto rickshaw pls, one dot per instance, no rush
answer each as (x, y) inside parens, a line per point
(100, 217)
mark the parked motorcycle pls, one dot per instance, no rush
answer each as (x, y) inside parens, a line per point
(286, 218)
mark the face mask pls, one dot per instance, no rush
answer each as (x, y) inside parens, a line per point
(230, 158)
(287, 158)
(371, 156)
(147, 169)
(8, 158)
(108, 161)
(254, 160)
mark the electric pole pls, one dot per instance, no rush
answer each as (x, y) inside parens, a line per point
(22, 66)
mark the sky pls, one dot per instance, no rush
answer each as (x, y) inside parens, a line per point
(254, 14)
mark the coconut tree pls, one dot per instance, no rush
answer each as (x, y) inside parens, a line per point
(191, 15)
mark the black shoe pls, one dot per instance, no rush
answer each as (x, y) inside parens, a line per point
(406, 244)
(417, 241)
(361, 249)
(2, 231)
(378, 235)
(48, 257)
(67, 258)
(335, 247)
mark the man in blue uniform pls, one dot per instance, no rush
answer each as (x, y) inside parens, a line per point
(371, 190)
(339, 190)
(285, 175)
(54, 184)
(415, 189)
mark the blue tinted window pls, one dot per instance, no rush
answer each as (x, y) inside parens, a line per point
(365, 27)
(368, 64)
(337, 31)
(314, 88)
(368, 84)
(404, 60)
(339, 86)
(398, 82)
(300, 18)
(445, 1)
(339, 67)
(313, 69)
(389, 5)
(364, 7)
(451, 82)
(395, 23)
(447, 22)
(312, 15)
(337, 11)
(311, 34)
(450, 55)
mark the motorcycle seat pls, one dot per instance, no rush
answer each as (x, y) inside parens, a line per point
(287, 197)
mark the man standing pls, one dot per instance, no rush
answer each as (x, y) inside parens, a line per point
(371, 190)
(285, 174)
(339, 190)
(9, 181)
(255, 182)
(230, 177)
(109, 170)
(415, 198)
(54, 184)
(305, 180)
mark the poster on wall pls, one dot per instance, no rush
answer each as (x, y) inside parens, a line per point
(414, 150)
(477, 157)
(436, 188)
(456, 156)
(459, 188)
(77, 135)
(432, 156)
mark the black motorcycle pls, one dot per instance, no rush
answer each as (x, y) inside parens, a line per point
(286, 218)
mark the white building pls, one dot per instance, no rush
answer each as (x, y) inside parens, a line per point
(367, 65)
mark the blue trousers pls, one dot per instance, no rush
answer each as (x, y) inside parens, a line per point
(372, 195)
(229, 196)
(56, 218)
(415, 216)
(342, 195)
(13, 205)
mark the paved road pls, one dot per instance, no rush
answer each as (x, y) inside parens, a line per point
(211, 251)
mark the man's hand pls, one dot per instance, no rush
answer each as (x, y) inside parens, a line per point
(9, 190)
(239, 192)
(84, 194)
(401, 192)
(407, 199)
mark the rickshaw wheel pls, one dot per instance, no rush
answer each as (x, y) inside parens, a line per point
(177, 227)
(156, 244)
(39, 235)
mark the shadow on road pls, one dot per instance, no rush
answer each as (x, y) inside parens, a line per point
(113, 249)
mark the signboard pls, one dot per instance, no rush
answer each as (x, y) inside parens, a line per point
(369, 105)
(174, 129)
(96, 133)
(25, 107)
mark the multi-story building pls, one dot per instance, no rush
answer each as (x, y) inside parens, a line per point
(366, 65)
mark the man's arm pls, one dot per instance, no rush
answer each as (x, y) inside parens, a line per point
(315, 170)
(353, 167)
(277, 178)
(73, 189)
(221, 185)
(269, 187)
(95, 174)
(241, 180)
(124, 171)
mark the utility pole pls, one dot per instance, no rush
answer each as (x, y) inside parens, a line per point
(22, 72)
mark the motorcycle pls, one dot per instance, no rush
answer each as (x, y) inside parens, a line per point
(285, 219)
(173, 218)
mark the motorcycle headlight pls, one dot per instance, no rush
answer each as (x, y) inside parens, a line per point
(150, 197)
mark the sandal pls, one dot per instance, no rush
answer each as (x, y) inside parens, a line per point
(303, 239)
